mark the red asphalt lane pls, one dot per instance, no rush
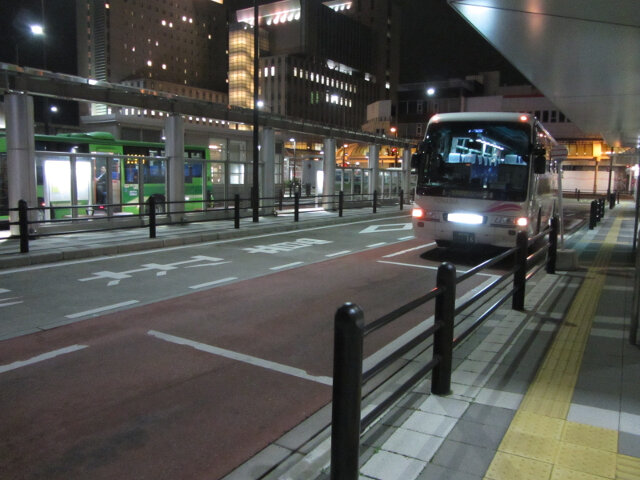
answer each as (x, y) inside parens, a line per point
(133, 406)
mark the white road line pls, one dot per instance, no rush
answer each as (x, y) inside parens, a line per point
(343, 252)
(40, 358)
(410, 237)
(432, 267)
(215, 282)
(102, 309)
(376, 245)
(240, 357)
(280, 267)
(428, 267)
(8, 304)
(410, 250)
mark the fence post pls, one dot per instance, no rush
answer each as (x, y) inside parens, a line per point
(520, 274)
(340, 203)
(401, 199)
(236, 210)
(151, 205)
(602, 209)
(23, 224)
(375, 200)
(443, 337)
(347, 392)
(592, 215)
(296, 206)
(553, 245)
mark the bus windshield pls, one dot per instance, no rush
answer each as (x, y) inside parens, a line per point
(487, 160)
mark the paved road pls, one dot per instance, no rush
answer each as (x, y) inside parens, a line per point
(184, 363)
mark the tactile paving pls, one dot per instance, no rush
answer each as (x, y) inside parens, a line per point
(590, 436)
(587, 460)
(510, 467)
(627, 468)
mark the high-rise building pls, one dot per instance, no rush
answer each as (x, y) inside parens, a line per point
(323, 61)
(180, 47)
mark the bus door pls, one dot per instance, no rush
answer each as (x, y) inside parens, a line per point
(132, 188)
(195, 186)
(113, 170)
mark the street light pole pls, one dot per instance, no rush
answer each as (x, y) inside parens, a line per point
(255, 196)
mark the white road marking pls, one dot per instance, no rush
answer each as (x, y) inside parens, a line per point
(240, 357)
(280, 267)
(7, 303)
(376, 245)
(387, 228)
(428, 267)
(410, 237)
(40, 358)
(66, 263)
(432, 267)
(343, 252)
(102, 309)
(215, 282)
(410, 250)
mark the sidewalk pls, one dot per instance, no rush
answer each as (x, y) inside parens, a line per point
(73, 246)
(548, 393)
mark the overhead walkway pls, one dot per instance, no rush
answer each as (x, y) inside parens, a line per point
(550, 393)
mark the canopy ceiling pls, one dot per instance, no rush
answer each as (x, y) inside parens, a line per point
(582, 55)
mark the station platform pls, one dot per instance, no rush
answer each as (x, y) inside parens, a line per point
(548, 393)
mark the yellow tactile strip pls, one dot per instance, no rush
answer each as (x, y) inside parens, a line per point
(540, 443)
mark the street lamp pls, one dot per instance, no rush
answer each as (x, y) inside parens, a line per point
(431, 91)
(293, 176)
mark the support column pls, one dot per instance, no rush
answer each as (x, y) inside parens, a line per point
(329, 169)
(174, 148)
(374, 164)
(268, 158)
(21, 159)
(406, 171)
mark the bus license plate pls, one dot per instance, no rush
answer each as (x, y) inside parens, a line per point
(464, 237)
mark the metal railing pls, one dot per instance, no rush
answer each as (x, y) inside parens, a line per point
(156, 212)
(350, 331)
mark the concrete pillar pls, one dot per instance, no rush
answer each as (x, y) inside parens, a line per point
(406, 172)
(21, 159)
(374, 164)
(268, 160)
(174, 148)
(329, 169)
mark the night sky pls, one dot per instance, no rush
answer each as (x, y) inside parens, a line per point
(437, 42)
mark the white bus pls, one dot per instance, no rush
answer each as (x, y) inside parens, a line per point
(482, 177)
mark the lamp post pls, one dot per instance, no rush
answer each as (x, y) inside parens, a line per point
(293, 175)
(394, 149)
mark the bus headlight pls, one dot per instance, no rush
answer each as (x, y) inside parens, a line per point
(421, 214)
(503, 221)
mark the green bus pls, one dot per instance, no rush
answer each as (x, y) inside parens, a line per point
(101, 173)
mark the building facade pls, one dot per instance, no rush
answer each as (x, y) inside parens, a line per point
(305, 69)
(180, 47)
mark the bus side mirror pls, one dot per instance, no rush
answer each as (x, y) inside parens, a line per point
(539, 164)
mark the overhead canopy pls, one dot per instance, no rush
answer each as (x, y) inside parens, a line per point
(582, 55)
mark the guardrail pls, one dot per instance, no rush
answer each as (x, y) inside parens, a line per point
(156, 212)
(351, 330)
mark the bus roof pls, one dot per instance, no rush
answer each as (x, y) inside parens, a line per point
(483, 116)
